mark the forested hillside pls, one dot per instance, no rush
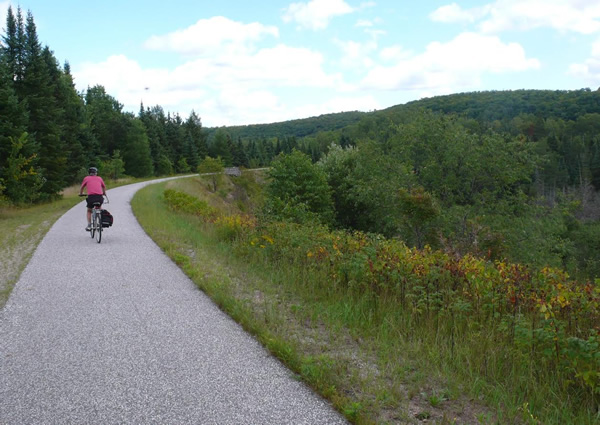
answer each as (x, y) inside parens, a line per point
(293, 128)
(506, 105)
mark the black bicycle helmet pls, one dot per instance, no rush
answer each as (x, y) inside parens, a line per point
(93, 170)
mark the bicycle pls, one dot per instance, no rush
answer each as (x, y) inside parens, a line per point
(96, 224)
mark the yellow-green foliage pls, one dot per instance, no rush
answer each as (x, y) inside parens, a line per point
(544, 315)
(180, 201)
(233, 226)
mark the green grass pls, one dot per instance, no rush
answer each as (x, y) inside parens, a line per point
(21, 230)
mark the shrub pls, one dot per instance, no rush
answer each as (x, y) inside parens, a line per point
(180, 201)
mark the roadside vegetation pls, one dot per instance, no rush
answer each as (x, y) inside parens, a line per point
(389, 334)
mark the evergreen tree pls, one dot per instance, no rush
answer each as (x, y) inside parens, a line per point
(240, 157)
(221, 147)
(13, 116)
(136, 149)
(196, 135)
(72, 124)
(154, 120)
(190, 152)
(41, 74)
(21, 176)
(174, 137)
(13, 48)
(106, 119)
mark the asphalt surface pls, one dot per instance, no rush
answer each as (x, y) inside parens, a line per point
(115, 333)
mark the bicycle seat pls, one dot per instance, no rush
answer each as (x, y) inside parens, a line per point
(96, 204)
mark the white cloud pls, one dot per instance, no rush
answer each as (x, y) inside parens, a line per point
(228, 80)
(356, 54)
(364, 23)
(454, 13)
(394, 54)
(580, 16)
(225, 89)
(316, 14)
(454, 66)
(208, 35)
(589, 71)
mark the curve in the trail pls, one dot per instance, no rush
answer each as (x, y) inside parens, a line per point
(115, 333)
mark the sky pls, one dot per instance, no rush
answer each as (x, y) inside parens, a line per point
(250, 62)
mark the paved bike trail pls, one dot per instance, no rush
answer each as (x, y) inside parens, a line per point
(115, 333)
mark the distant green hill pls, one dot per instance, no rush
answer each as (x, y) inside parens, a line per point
(483, 106)
(294, 128)
(502, 105)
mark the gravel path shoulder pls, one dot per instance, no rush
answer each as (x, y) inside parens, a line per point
(115, 333)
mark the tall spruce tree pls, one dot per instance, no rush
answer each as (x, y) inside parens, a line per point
(72, 124)
(136, 149)
(154, 121)
(193, 128)
(18, 151)
(13, 48)
(40, 78)
(221, 147)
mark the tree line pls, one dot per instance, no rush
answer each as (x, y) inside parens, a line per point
(50, 133)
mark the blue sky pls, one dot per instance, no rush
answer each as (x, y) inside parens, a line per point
(240, 62)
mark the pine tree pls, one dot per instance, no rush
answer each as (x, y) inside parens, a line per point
(136, 149)
(22, 179)
(175, 137)
(193, 128)
(154, 121)
(221, 147)
(72, 124)
(13, 48)
(106, 119)
(41, 75)
(14, 116)
(190, 152)
(240, 158)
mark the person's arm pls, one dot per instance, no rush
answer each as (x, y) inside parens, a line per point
(103, 187)
(83, 184)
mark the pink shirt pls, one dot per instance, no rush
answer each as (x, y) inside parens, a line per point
(94, 184)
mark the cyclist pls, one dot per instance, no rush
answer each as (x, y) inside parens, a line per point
(95, 191)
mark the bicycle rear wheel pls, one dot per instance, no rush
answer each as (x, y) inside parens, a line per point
(98, 227)
(93, 226)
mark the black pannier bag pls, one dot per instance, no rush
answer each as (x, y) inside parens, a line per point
(106, 218)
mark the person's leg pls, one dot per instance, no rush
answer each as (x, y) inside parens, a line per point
(89, 217)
